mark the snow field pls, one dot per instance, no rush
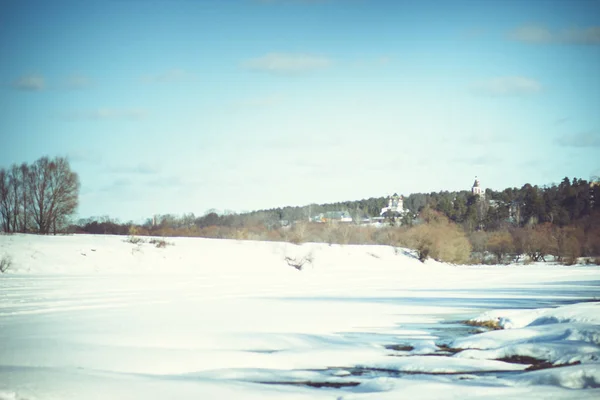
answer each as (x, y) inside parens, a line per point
(96, 317)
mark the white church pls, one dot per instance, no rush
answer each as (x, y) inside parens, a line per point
(395, 205)
(477, 190)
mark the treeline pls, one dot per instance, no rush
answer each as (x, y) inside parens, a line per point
(561, 221)
(561, 205)
(39, 197)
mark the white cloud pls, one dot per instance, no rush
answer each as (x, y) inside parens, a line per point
(33, 82)
(287, 63)
(508, 86)
(542, 34)
(170, 76)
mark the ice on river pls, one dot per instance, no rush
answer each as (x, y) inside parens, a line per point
(95, 317)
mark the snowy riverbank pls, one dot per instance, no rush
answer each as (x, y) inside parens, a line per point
(97, 317)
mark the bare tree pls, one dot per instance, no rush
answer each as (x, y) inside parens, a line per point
(15, 189)
(24, 169)
(5, 201)
(54, 193)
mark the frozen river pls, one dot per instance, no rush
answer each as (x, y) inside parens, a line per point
(88, 318)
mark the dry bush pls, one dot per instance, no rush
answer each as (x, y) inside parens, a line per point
(500, 243)
(299, 262)
(591, 243)
(388, 236)
(274, 235)
(160, 243)
(362, 235)
(240, 234)
(493, 325)
(422, 241)
(337, 233)
(540, 242)
(479, 243)
(439, 239)
(5, 263)
(135, 240)
(142, 231)
(297, 233)
(569, 240)
(519, 238)
(214, 232)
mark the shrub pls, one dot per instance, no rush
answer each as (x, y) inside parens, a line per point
(5, 263)
(569, 244)
(439, 239)
(500, 244)
(135, 240)
(479, 242)
(493, 324)
(299, 262)
(159, 243)
(536, 242)
(297, 233)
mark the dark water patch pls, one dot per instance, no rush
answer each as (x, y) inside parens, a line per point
(262, 351)
(314, 384)
(399, 347)
(373, 372)
(535, 364)
(448, 349)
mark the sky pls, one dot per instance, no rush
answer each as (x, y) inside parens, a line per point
(184, 106)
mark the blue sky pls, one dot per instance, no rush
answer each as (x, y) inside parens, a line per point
(183, 106)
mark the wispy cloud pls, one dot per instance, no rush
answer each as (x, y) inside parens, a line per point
(480, 159)
(108, 114)
(485, 139)
(381, 61)
(166, 182)
(562, 121)
(138, 169)
(85, 156)
(586, 139)
(118, 185)
(539, 34)
(33, 82)
(170, 76)
(287, 63)
(77, 81)
(508, 86)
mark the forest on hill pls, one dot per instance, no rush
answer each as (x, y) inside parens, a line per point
(560, 220)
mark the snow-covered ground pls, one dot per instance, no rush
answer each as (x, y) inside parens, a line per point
(95, 317)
